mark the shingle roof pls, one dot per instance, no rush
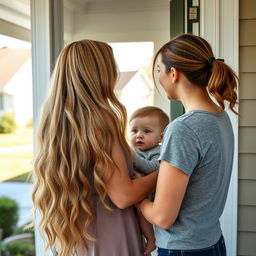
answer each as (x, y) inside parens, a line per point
(10, 61)
(124, 78)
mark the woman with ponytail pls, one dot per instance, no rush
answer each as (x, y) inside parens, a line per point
(197, 150)
(83, 166)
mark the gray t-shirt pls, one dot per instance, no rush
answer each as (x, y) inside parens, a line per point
(147, 161)
(201, 144)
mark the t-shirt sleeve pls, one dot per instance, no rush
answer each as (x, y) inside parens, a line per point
(147, 166)
(180, 147)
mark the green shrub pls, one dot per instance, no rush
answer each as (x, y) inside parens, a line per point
(19, 249)
(8, 123)
(8, 215)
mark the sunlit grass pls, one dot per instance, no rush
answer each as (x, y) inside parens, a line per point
(15, 160)
(21, 137)
(25, 177)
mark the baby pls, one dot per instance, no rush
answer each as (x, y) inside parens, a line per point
(146, 132)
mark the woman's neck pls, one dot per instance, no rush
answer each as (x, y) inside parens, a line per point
(197, 98)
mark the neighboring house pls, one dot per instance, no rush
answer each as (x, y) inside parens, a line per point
(6, 103)
(16, 84)
(135, 89)
(123, 79)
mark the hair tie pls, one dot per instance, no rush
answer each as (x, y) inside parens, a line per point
(211, 60)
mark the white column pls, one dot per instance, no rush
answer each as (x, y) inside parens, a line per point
(220, 26)
(47, 41)
(56, 30)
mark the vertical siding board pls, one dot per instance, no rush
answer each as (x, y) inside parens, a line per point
(247, 88)
(247, 193)
(246, 107)
(247, 9)
(246, 243)
(247, 32)
(247, 62)
(247, 139)
(247, 166)
(246, 219)
(247, 130)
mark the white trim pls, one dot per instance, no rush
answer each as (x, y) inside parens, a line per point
(13, 30)
(217, 27)
(56, 30)
(40, 53)
(41, 75)
(210, 23)
(220, 26)
(186, 16)
(15, 11)
(47, 42)
(195, 28)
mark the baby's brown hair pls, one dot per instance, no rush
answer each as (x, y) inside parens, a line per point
(154, 111)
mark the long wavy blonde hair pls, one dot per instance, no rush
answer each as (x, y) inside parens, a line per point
(74, 143)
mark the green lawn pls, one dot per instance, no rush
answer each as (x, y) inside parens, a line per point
(24, 137)
(16, 160)
(25, 177)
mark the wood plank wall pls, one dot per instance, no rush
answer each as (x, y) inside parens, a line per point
(247, 130)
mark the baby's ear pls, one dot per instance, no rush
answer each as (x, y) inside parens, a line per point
(161, 137)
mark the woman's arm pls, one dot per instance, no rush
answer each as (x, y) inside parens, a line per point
(170, 190)
(123, 191)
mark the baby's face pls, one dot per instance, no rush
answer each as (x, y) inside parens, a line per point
(145, 132)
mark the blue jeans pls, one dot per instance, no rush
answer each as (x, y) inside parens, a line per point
(218, 249)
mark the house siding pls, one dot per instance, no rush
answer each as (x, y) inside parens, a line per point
(246, 238)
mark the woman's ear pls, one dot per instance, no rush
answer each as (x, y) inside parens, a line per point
(174, 75)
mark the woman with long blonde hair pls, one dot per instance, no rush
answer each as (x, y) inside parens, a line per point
(82, 168)
(196, 152)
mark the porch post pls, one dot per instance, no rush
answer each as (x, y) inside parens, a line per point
(47, 42)
(177, 26)
(220, 26)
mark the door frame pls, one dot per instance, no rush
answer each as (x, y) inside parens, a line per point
(219, 24)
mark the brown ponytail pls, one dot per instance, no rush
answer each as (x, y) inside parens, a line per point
(193, 56)
(223, 84)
